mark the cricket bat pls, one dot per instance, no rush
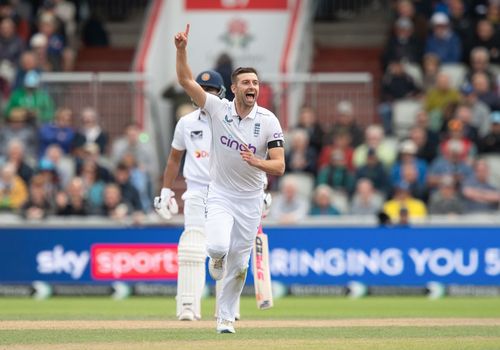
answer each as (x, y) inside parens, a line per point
(261, 272)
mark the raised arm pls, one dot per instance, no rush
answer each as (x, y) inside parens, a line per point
(184, 74)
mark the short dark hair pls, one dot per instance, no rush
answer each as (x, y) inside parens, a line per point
(242, 70)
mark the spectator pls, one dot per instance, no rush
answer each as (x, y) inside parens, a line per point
(346, 121)
(48, 26)
(342, 142)
(443, 41)
(72, 201)
(128, 191)
(131, 142)
(224, 66)
(486, 37)
(33, 98)
(140, 180)
(38, 206)
(374, 138)
(408, 155)
(396, 85)
(48, 172)
(289, 207)
(65, 11)
(18, 128)
(64, 164)
(114, 206)
(482, 88)
(409, 175)
(403, 203)
(450, 163)
(431, 127)
(39, 44)
(93, 184)
(13, 190)
(491, 142)
(480, 63)
(426, 149)
(322, 202)
(365, 201)
(374, 171)
(456, 134)
(461, 23)
(300, 156)
(11, 47)
(464, 113)
(402, 45)
(336, 175)
(308, 121)
(480, 195)
(90, 132)
(441, 95)
(15, 156)
(91, 154)
(430, 70)
(406, 9)
(480, 110)
(446, 200)
(27, 62)
(59, 132)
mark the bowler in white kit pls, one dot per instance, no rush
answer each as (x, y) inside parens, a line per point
(247, 142)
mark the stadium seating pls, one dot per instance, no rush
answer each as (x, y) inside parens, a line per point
(403, 116)
(456, 72)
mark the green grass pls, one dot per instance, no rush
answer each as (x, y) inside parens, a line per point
(290, 308)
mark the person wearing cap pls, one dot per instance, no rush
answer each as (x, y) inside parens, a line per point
(402, 44)
(33, 98)
(403, 201)
(491, 142)
(443, 41)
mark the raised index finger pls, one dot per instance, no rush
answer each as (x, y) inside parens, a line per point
(187, 30)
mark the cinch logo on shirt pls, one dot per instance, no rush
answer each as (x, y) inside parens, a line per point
(233, 144)
(201, 154)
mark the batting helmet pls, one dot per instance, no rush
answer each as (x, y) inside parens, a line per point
(211, 78)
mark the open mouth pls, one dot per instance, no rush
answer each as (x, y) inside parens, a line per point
(250, 96)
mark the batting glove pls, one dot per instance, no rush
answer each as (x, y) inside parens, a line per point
(166, 205)
(268, 199)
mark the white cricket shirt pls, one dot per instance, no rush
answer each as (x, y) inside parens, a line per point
(192, 134)
(228, 171)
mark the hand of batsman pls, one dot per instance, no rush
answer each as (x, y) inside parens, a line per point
(268, 199)
(181, 38)
(166, 205)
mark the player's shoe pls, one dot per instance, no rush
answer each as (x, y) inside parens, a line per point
(237, 317)
(187, 315)
(225, 326)
(216, 268)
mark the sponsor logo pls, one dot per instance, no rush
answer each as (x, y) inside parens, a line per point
(278, 135)
(201, 154)
(57, 261)
(197, 134)
(256, 129)
(134, 261)
(237, 34)
(228, 120)
(233, 144)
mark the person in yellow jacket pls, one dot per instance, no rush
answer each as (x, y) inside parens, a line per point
(403, 206)
(13, 190)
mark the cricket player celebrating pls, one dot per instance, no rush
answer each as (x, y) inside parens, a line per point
(247, 142)
(192, 136)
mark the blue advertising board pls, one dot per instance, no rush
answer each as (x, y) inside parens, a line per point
(298, 255)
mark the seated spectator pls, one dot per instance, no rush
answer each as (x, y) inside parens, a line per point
(403, 203)
(426, 149)
(13, 190)
(455, 133)
(413, 11)
(90, 132)
(480, 110)
(396, 85)
(430, 70)
(341, 141)
(128, 191)
(15, 156)
(443, 41)
(130, 142)
(48, 172)
(91, 154)
(35, 100)
(450, 163)
(27, 62)
(11, 47)
(484, 92)
(300, 155)
(486, 36)
(17, 127)
(64, 164)
(289, 206)
(402, 44)
(60, 132)
(409, 175)
(491, 142)
(336, 174)
(93, 183)
(407, 155)
(56, 45)
(479, 194)
(464, 114)
(113, 206)
(365, 201)
(39, 44)
(440, 96)
(140, 180)
(322, 202)
(374, 138)
(480, 63)
(72, 201)
(461, 23)
(308, 121)
(39, 205)
(374, 171)
(446, 200)
(346, 121)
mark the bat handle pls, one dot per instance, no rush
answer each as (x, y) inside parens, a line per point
(259, 230)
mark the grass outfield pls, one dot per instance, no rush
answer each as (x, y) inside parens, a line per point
(294, 323)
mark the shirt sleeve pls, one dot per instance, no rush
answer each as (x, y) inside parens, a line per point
(214, 105)
(275, 131)
(178, 142)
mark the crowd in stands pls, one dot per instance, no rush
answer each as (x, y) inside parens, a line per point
(55, 161)
(434, 159)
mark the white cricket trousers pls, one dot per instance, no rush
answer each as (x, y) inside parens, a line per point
(231, 226)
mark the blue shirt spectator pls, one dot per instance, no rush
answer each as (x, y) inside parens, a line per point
(443, 41)
(59, 132)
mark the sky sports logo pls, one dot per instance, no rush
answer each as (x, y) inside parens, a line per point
(234, 144)
(134, 261)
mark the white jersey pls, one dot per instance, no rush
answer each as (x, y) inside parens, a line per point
(192, 134)
(228, 172)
